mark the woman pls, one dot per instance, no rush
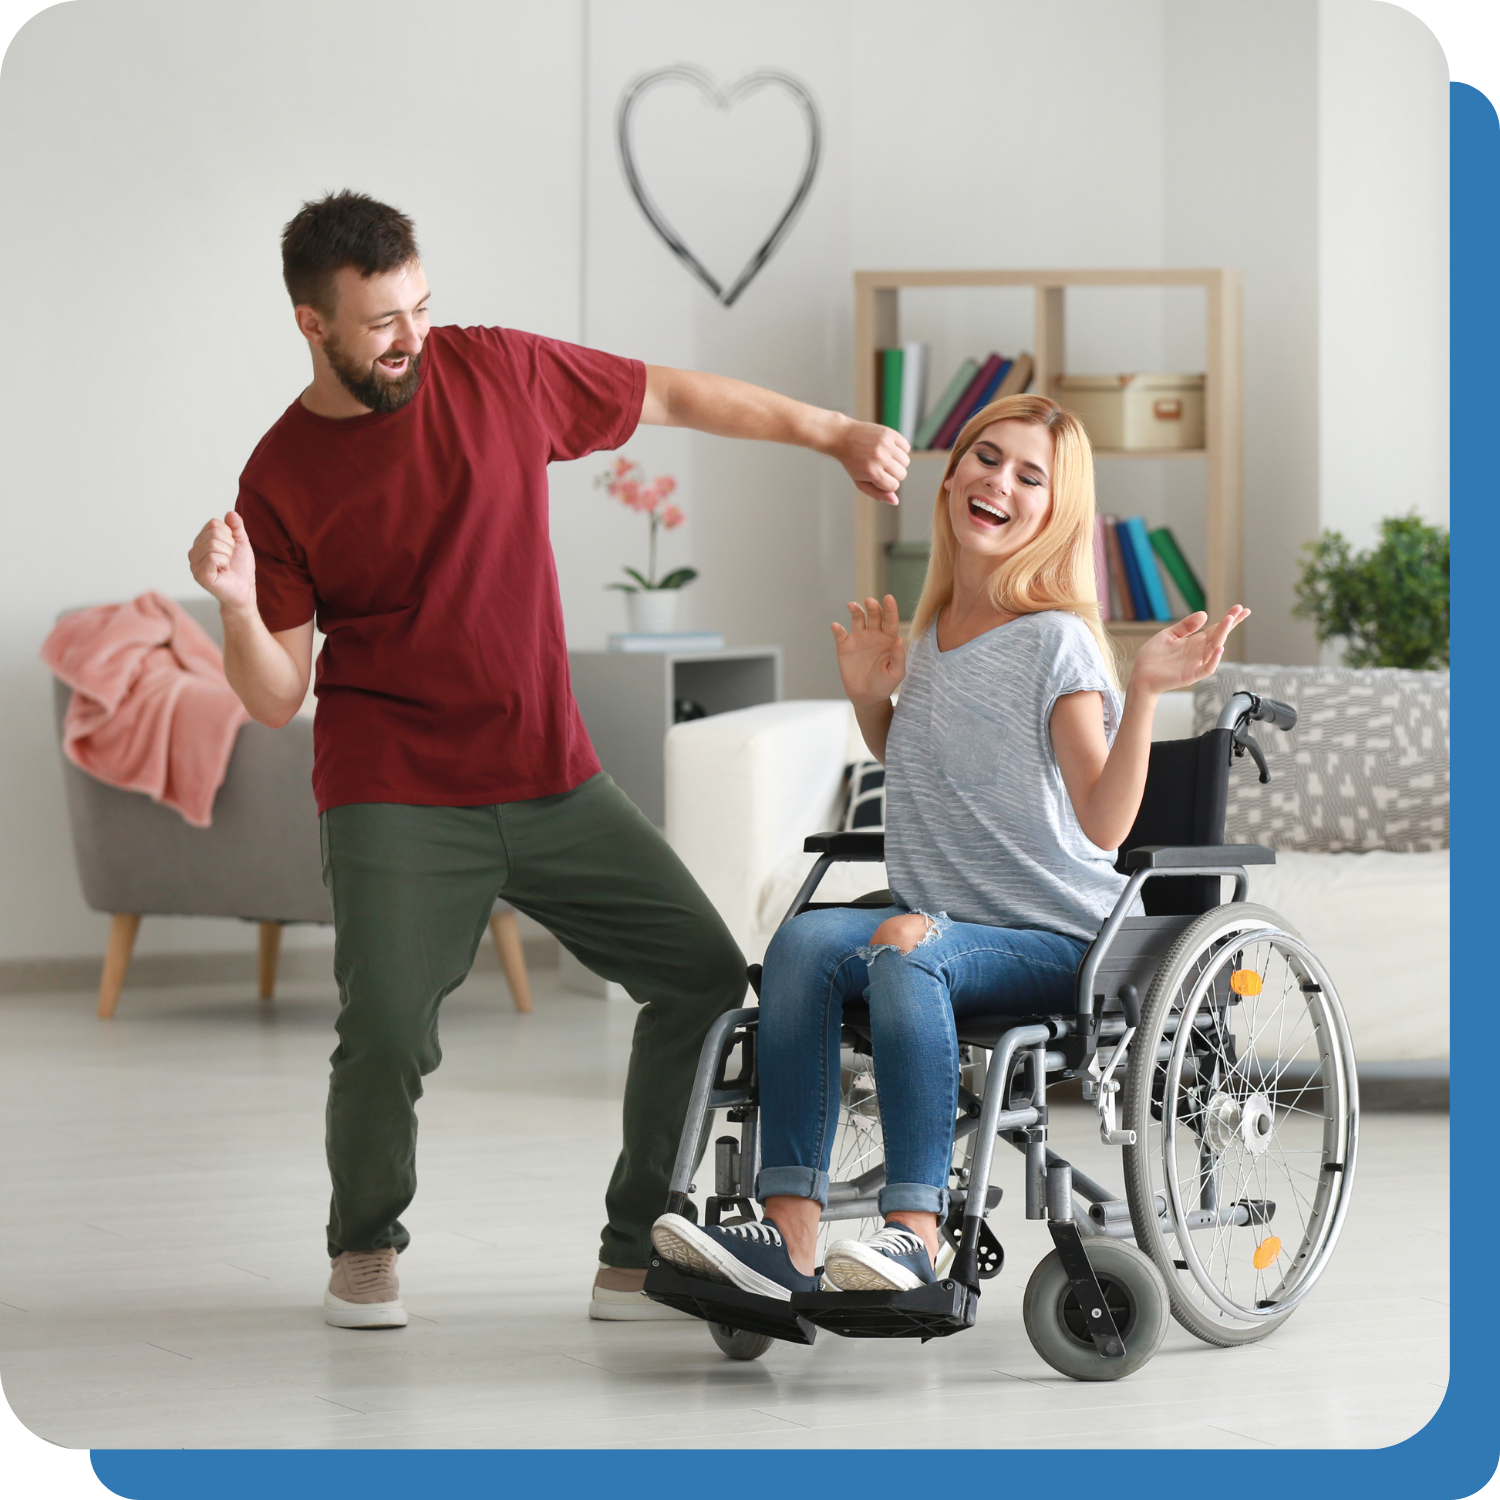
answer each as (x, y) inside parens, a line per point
(1013, 773)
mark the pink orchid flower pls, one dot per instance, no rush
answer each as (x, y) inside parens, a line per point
(627, 482)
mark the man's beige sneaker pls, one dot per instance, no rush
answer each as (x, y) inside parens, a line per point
(618, 1298)
(363, 1291)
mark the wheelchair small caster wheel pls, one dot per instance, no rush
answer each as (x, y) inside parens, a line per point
(737, 1343)
(1137, 1299)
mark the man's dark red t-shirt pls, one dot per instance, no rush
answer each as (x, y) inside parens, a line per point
(419, 540)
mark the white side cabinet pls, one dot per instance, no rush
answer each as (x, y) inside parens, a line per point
(629, 700)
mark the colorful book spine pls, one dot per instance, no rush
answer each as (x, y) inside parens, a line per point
(1101, 569)
(987, 393)
(1145, 559)
(965, 403)
(890, 388)
(1139, 602)
(942, 408)
(1177, 565)
(1123, 604)
(913, 388)
(1017, 378)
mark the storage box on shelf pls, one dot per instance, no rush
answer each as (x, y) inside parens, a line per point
(878, 325)
(1144, 413)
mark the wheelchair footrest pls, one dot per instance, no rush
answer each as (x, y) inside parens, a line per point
(717, 1303)
(926, 1312)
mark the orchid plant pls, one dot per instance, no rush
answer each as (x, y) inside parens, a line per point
(626, 482)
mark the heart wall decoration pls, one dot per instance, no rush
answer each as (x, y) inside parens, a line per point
(723, 99)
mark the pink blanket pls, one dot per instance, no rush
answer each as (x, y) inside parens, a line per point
(151, 710)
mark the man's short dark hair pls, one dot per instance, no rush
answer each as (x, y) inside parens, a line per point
(342, 229)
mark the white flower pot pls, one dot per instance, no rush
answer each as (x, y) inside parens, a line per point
(652, 611)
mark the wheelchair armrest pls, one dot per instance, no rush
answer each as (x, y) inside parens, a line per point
(1197, 856)
(854, 846)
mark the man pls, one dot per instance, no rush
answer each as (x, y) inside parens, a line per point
(402, 499)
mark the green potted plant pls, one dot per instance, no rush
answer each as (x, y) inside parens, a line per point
(650, 602)
(1390, 605)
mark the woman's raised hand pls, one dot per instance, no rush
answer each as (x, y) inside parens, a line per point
(872, 655)
(1183, 653)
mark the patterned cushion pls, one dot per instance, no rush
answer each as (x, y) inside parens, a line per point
(1365, 768)
(866, 806)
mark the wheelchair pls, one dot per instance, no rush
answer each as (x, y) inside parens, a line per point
(1207, 1036)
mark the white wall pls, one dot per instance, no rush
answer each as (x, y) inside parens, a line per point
(1241, 164)
(1383, 262)
(768, 527)
(151, 150)
(149, 155)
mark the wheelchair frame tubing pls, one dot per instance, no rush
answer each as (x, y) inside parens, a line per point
(704, 1098)
(993, 1118)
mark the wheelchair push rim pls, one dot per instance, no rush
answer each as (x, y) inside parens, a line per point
(1246, 1127)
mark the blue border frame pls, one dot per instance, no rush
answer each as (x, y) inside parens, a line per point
(1455, 1454)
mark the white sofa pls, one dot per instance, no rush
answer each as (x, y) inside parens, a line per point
(744, 789)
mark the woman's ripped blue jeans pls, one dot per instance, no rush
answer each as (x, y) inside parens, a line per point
(823, 958)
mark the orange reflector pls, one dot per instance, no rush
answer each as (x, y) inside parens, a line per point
(1245, 982)
(1266, 1252)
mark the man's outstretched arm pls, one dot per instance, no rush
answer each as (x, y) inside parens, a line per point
(874, 456)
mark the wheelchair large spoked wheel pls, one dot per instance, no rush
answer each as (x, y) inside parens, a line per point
(858, 1145)
(1242, 1093)
(1058, 1327)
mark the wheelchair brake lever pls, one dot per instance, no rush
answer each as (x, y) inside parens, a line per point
(1243, 741)
(1107, 1086)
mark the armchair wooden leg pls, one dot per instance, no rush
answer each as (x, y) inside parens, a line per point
(123, 927)
(507, 936)
(270, 957)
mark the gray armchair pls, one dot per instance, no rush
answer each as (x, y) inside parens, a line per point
(259, 861)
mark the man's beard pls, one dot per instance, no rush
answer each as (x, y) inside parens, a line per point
(367, 387)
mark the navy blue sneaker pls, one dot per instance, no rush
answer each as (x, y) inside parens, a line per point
(752, 1257)
(895, 1260)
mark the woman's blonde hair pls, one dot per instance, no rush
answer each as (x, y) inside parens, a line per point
(1055, 569)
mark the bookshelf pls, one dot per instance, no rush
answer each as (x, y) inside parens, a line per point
(877, 325)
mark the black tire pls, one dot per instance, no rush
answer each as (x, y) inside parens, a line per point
(1241, 1100)
(738, 1344)
(1135, 1293)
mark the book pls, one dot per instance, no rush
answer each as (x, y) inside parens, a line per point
(1177, 565)
(1139, 603)
(1017, 378)
(942, 408)
(1145, 559)
(1101, 569)
(677, 640)
(961, 408)
(913, 388)
(890, 388)
(1121, 603)
(987, 393)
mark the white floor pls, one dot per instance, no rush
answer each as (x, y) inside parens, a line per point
(162, 1263)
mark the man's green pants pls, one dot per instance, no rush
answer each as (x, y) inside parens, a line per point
(412, 891)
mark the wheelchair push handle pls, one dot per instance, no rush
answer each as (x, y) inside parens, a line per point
(1236, 716)
(1245, 706)
(1276, 713)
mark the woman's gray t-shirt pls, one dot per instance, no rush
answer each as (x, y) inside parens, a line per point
(978, 821)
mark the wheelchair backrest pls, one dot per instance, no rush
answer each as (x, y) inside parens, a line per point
(1187, 789)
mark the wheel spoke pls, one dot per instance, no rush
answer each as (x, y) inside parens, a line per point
(1261, 1095)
